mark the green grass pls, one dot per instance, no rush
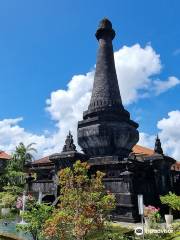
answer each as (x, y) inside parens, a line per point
(111, 232)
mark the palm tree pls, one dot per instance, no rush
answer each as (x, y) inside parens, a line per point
(14, 176)
(25, 152)
(22, 156)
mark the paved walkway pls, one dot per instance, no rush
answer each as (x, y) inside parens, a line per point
(134, 225)
(126, 224)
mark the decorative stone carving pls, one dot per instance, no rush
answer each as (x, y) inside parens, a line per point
(158, 148)
(69, 144)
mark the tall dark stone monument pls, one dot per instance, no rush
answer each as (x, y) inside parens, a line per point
(106, 133)
(106, 129)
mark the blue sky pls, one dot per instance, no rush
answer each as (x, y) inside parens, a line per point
(43, 44)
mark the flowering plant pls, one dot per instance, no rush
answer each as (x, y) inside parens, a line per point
(152, 213)
(19, 203)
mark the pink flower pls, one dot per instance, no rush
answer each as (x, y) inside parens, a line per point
(19, 203)
(150, 210)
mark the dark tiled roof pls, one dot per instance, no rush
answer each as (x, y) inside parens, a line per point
(137, 149)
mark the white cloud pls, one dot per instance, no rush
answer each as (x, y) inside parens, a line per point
(146, 140)
(135, 66)
(170, 133)
(163, 86)
(67, 104)
(11, 134)
(66, 107)
(136, 69)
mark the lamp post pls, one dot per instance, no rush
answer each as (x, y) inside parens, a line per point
(141, 210)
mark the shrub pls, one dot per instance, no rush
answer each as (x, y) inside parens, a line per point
(171, 200)
(7, 199)
(35, 218)
(84, 204)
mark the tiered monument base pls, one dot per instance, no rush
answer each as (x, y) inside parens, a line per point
(119, 181)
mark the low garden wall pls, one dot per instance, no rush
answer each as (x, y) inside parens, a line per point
(7, 236)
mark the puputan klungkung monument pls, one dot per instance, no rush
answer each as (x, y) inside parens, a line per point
(106, 129)
(108, 138)
(107, 135)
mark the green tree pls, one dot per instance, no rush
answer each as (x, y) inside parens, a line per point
(13, 179)
(22, 156)
(15, 170)
(7, 199)
(84, 204)
(35, 217)
(172, 201)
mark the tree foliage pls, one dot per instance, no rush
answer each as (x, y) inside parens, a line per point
(171, 200)
(13, 179)
(84, 204)
(7, 199)
(35, 217)
(22, 155)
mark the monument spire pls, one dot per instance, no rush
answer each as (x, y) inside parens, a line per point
(105, 89)
(106, 128)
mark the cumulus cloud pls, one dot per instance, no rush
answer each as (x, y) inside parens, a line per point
(170, 133)
(146, 140)
(137, 70)
(66, 106)
(135, 67)
(163, 86)
(11, 134)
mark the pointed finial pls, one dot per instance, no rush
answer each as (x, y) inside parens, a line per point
(105, 29)
(158, 148)
(105, 23)
(70, 135)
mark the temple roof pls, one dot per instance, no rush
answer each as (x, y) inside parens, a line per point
(137, 149)
(44, 160)
(140, 150)
(4, 155)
